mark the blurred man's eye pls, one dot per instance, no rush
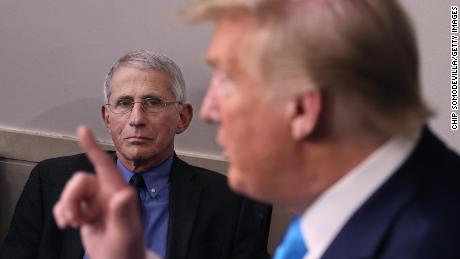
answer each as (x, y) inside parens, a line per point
(224, 82)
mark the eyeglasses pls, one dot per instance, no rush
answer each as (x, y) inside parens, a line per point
(149, 105)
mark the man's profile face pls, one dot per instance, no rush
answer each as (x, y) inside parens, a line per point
(138, 135)
(253, 131)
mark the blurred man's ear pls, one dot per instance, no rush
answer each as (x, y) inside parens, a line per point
(105, 117)
(186, 115)
(306, 111)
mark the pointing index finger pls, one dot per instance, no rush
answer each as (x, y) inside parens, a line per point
(106, 171)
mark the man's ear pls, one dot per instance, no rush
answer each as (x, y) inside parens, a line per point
(306, 110)
(105, 117)
(185, 117)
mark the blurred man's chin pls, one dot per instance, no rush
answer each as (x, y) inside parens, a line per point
(234, 181)
(246, 188)
(238, 184)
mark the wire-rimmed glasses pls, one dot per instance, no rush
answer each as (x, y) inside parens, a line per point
(149, 105)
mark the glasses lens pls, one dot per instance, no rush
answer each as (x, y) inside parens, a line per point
(153, 105)
(122, 106)
(149, 105)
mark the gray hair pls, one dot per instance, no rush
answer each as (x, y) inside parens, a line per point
(143, 59)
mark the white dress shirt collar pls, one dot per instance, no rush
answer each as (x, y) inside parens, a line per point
(323, 220)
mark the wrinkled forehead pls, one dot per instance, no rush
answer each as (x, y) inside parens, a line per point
(134, 71)
(131, 81)
(138, 76)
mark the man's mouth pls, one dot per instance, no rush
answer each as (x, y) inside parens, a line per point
(138, 139)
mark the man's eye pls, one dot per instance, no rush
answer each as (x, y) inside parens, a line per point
(152, 102)
(124, 103)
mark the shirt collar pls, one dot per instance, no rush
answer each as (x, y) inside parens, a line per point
(322, 221)
(155, 178)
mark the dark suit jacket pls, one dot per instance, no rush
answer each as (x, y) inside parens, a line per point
(207, 220)
(414, 215)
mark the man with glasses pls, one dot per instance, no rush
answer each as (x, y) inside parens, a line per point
(320, 110)
(186, 211)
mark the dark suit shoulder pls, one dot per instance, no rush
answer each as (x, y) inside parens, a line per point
(65, 165)
(57, 171)
(210, 176)
(72, 161)
(60, 159)
(197, 174)
(209, 220)
(428, 222)
(33, 233)
(413, 214)
(437, 169)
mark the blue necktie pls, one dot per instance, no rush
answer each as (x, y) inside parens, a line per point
(293, 245)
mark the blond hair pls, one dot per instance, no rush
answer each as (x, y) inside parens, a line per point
(361, 50)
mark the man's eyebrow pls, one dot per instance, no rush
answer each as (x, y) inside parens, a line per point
(124, 97)
(147, 96)
(231, 64)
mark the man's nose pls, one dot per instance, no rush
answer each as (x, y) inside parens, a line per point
(210, 110)
(137, 116)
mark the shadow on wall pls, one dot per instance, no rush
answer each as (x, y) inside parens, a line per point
(65, 118)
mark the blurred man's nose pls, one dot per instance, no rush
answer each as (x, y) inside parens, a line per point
(210, 111)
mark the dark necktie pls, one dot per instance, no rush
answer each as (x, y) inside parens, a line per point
(293, 245)
(138, 183)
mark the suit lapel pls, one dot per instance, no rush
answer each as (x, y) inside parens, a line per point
(183, 207)
(364, 235)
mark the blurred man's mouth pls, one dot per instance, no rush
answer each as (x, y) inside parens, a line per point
(225, 153)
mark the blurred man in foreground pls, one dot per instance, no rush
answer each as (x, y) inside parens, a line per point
(320, 112)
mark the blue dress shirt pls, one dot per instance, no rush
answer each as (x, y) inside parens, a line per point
(154, 207)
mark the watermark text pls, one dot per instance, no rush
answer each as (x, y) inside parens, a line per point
(454, 55)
